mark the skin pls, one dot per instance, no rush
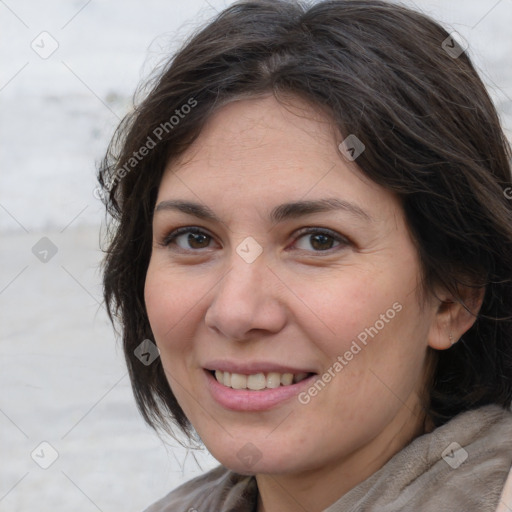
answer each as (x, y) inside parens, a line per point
(301, 302)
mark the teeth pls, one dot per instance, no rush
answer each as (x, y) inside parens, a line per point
(273, 380)
(258, 381)
(299, 377)
(286, 379)
(238, 381)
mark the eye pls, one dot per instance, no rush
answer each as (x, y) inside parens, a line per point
(194, 238)
(321, 240)
(188, 238)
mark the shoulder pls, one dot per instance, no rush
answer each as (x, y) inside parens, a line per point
(218, 490)
(469, 460)
(462, 465)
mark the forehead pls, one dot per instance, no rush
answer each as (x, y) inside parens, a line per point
(263, 128)
(256, 151)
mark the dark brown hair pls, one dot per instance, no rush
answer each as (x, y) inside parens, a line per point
(432, 137)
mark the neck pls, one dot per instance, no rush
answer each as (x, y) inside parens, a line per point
(316, 489)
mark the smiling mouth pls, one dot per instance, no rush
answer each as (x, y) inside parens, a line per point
(258, 381)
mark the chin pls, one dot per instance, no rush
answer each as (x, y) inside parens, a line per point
(248, 459)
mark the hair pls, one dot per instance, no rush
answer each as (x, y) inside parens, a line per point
(432, 137)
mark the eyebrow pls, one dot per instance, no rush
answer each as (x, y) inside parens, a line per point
(279, 214)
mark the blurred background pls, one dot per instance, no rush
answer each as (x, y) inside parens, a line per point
(70, 435)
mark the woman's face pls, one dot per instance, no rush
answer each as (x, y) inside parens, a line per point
(294, 263)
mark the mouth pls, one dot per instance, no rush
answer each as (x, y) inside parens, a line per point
(255, 392)
(258, 381)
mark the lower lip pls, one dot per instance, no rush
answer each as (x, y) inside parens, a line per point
(248, 400)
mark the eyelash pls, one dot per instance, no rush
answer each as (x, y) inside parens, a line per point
(343, 241)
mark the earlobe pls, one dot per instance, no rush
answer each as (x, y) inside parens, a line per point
(454, 317)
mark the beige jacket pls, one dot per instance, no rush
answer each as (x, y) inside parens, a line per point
(463, 466)
(505, 504)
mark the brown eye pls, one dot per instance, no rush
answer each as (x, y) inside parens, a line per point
(321, 240)
(196, 240)
(188, 238)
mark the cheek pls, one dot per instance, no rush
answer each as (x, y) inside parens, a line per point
(170, 305)
(157, 303)
(342, 305)
(169, 302)
(373, 322)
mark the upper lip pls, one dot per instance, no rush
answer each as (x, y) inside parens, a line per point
(251, 367)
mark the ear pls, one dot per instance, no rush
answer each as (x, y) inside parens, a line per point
(452, 318)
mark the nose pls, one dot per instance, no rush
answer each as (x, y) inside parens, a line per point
(247, 301)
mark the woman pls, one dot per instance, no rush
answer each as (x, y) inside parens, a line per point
(311, 226)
